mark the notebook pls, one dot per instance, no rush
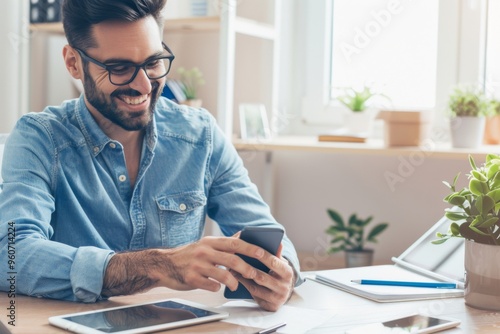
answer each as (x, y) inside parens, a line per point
(421, 262)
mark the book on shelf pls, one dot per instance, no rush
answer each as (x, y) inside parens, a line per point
(348, 138)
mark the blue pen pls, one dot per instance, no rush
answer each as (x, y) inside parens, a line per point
(439, 285)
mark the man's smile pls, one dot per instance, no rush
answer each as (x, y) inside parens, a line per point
(133, 100)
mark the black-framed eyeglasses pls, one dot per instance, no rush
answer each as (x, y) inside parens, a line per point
(123, 73)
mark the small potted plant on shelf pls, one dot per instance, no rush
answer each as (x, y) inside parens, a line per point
(468, 108)
(351, 237)
(475, 217)
(190, 81)
(360, 117)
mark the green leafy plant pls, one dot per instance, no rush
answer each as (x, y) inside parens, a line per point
(350, 235)
(468, 101)
(475, 215)
(190, 80)
(493, 107)
(357, 100)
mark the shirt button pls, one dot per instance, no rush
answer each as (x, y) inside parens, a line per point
(96, 149)
(182, 207)
(112, 145)
(122, 178)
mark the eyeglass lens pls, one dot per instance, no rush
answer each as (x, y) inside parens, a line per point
(123, 73)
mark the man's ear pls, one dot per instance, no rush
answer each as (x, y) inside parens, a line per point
(71, 62)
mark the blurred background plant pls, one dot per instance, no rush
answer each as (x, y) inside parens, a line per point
(190, 81)
(469, 101)
(358, 100)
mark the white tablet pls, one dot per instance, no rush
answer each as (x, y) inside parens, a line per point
(138, 318)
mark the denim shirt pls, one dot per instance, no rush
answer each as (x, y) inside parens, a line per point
(66, 191)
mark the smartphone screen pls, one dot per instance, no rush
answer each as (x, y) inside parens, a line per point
(411, 324)
(415, 322)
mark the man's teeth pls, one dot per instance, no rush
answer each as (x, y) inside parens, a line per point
(135, 100)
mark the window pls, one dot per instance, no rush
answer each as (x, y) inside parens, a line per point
(413, 51)
(492, 73)
(386, 45)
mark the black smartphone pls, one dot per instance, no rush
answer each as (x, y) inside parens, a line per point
(268, 238)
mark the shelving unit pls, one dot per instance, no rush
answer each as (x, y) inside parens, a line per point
(227, 25)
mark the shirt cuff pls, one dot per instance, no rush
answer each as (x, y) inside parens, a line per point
(87, 273)
(299, 280)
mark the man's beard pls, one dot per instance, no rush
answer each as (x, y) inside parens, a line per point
(110, 110)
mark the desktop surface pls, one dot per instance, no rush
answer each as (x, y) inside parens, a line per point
(345, 310)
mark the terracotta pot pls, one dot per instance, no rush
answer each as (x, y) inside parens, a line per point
(359, 258)
(482, 276)
(492, 130)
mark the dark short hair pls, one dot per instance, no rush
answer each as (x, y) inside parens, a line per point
(80, 15)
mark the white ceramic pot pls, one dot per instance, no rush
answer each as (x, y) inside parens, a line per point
(359, 258)
(360, 122)
(467, 132)
(482, 276)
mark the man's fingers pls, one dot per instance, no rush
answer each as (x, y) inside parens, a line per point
(265, 297)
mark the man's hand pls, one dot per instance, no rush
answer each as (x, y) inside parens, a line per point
(194, 266)
(274, 289)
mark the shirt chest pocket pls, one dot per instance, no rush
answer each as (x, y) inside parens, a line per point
(182, 217)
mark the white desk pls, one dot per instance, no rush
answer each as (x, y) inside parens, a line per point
(346, 310)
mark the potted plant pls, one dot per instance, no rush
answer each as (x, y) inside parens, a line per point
(468, 108)
(190, 81)
(351, 237)
(360, 118)
(475, 216)
(492, 126)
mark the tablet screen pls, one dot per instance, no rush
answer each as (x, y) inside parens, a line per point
(138, 316)
(446, 259)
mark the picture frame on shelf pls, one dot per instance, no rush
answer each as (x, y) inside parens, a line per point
(253, 121)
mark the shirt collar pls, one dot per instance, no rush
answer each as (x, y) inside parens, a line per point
(96, 138)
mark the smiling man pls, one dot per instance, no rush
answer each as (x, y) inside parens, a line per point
(108, 193)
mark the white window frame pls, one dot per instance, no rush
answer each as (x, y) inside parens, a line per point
(460, 59)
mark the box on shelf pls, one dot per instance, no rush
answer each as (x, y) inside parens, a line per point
(405, 127)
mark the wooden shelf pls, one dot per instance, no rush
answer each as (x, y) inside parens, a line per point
(202, 23)
(371, 147)
(52, 27)
(205, 23)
